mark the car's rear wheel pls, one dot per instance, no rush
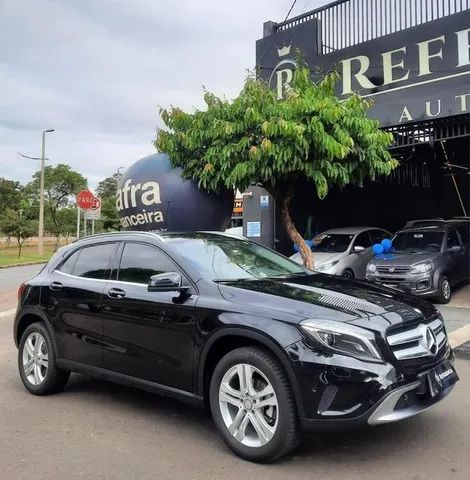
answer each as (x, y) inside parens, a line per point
(445, 291)
(253, 406)
(37, 362)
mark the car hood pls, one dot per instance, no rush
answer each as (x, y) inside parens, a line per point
(320, 257)
(404, 259)
(327, 297)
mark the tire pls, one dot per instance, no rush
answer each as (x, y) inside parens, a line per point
(348, 273)
(445, 291)
(41, 375)
(277, 420)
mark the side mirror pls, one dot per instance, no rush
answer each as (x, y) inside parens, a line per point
(358, 248)
(166, 282)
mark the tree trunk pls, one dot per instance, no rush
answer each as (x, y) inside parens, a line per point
(284, 197)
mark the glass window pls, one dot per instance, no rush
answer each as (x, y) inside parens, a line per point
(67, 266)
(95, 261)
(379, 235)
(464, 232)
(331, 242)
(221, 258)
(453, 239)
(363, 240)
(139, 262)
(418, 241)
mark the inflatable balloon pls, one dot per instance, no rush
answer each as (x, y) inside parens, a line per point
(152, 195)
(387, 244)
(378, 249)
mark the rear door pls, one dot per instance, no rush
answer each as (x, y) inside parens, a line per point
(149, 335)
(72, 300)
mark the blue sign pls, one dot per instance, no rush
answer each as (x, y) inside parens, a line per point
(253, 229)
(264, 200)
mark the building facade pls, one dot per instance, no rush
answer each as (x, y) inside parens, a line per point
(412, 57)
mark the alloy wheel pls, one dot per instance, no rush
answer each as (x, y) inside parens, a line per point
(35, 358)
(446, 289)
(248, 405)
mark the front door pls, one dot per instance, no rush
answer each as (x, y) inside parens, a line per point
(361, 259)
(72, 300)
(149, 335)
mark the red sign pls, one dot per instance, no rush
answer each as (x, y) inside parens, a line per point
(86, 200)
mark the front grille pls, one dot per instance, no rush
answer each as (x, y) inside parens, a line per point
(392, 269)
(423, 340)
(391, 279)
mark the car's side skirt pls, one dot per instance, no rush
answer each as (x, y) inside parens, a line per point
(127, 380)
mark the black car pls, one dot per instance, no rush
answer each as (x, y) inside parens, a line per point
(427, 259)
(270, 346)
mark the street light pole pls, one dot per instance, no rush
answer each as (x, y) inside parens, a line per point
(41, 194)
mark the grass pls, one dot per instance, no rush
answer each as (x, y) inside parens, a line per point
(29, 254)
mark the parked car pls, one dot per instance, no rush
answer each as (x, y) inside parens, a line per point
(345, 251)
(426, 260)
(269, 346)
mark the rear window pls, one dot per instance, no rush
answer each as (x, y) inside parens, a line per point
(91, 262)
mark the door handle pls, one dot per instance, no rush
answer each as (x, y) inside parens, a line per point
(116, 293)
(56, 286)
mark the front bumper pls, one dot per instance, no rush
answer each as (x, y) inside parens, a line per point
(341, 392)
(416, 284)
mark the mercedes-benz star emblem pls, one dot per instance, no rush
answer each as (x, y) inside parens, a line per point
(391, 269)
(431, 341)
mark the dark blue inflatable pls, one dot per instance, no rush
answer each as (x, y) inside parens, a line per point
(153, 196)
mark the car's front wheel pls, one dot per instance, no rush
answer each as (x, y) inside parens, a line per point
(37, 363)
(445, 291)
(253, 406)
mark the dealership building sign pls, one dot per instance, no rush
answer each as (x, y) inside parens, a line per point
(416, 74)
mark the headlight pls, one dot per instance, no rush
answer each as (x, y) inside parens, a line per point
(326, 266)
(371, 267)
(342, 338)
(422, 267)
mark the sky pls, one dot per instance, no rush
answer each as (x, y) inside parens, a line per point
(97, 71)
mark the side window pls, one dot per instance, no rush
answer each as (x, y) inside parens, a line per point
(378, 235)
(139, 262)
(464, 231)
(453, 239)
(67, 266)
(363, 240)
(91, 262)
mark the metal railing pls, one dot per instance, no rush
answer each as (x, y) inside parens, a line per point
(345, 23)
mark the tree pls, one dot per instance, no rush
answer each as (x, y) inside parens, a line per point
(60, 184)
(257, 139)
(65, 224)
(10, 194)
(107, 190)
(15, 223)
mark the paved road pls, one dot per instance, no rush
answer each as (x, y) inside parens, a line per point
(11, 278)
(95, 430)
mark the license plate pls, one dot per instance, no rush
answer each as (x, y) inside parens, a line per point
(441, 377)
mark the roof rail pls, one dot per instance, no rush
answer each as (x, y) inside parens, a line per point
(127, 232)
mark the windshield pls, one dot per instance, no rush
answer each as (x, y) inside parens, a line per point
(222, 258)
(332, 242)
(418, 242)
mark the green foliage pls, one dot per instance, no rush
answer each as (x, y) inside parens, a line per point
(107, 190)
(10, 194)
(257, 139)
(61, 183)
(14, 223)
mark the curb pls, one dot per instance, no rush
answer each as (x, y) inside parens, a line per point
(22, 264)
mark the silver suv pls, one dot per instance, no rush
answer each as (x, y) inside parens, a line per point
(425, 260)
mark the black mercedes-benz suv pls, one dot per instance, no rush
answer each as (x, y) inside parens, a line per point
(271, 347)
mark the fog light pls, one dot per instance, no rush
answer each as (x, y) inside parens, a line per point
(422, 285)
